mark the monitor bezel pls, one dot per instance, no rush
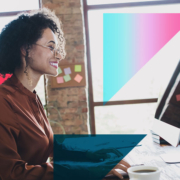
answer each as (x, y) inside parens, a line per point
(162, 100)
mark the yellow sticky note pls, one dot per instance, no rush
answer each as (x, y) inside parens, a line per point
(77, 68)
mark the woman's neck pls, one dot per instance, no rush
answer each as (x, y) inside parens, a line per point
(22, 77)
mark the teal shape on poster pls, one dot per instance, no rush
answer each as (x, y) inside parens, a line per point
(89, 157)
(130, 40)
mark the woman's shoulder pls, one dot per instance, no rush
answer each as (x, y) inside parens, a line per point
(7, 93)
(7, 113)
(6, 89)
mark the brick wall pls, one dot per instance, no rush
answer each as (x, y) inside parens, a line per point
(71, 102)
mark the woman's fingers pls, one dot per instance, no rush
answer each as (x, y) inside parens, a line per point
(125, 163)
(116, 173)
(120, 166)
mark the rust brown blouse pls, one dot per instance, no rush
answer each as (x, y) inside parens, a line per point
(26, 137)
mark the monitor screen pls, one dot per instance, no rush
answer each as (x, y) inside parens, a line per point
(168, 108)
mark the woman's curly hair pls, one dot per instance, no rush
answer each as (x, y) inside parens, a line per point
(23, 32)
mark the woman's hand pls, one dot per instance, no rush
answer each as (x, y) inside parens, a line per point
(97, 155)
(123, 165)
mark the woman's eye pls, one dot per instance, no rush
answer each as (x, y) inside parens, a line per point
(51, 48)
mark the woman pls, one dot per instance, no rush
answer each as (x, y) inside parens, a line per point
(30, 46)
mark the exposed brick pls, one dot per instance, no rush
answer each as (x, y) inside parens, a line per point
(58, 1)
(69, 123)
(53, 116)
(62, 91)
(68, 129)
(68, 110)
(67, 116)
(51, 98)
(84, 132)
(84, 117)
(77, 23)
(71, 102)
(67, 30)
(52, 111)
(84, 127)
(77, 29)
(73, 91)
(53, 92)
(73, 4)
(72, 98)
(57, 129)
(82, 103)
(78, 122)
(61, 18)
(78, 60)
(84, 110)
(79, 54)
(82, 98)
(62, 100)
(76, 130)
(80, 47)
(76, 1)
(68, 17)
(63, 10)
(45, 1)
(51, 5)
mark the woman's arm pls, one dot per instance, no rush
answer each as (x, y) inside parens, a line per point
(12, 166)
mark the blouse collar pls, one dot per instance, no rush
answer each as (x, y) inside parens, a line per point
(15, 81)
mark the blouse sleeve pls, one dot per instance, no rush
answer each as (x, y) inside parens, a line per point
(11, 164)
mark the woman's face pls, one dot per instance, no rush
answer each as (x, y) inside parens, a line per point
(42, 58)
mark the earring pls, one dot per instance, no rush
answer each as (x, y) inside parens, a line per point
(29, 79)
(27, 75)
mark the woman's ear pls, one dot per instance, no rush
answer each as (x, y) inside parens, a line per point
(23, 51)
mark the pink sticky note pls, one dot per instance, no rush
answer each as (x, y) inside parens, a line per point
(78, 78)
(178, 97)
(60, 80)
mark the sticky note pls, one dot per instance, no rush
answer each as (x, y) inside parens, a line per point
(67, 70)
(60, 80)
(59, 70)
(77, 68)
(67, 78)
(178, 97)
(78, 78)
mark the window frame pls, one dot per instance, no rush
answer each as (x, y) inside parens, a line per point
(14, 13)
(91, 102)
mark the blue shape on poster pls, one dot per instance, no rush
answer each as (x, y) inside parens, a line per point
(89, 157)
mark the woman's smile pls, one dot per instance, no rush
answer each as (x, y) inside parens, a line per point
(54, 64)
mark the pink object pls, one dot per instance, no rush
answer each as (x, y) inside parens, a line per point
(78, 78)
(178, 97)
(60, 80)
(4, 79)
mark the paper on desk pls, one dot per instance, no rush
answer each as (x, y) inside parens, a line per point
(168, 132)
(171, 157)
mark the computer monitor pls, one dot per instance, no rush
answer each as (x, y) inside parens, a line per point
(168, 108)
